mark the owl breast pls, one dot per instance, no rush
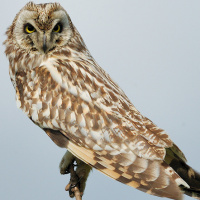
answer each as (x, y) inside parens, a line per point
(61, 97)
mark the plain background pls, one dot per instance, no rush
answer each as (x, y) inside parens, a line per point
(151, 48)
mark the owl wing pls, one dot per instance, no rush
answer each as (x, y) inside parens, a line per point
(82, 109)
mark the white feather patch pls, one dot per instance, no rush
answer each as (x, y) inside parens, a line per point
(50, 65)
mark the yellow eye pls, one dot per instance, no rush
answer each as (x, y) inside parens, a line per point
(57, 28)
(29, 28)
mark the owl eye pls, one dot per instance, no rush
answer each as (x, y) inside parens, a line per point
(29, 28)
(57, 28)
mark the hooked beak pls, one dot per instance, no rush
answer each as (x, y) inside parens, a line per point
(44, 43)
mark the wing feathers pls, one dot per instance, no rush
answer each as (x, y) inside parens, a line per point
(153, 179)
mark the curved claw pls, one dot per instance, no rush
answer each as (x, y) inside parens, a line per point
(71, 189)
(74, 182)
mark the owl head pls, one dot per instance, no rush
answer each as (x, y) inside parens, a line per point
(41, 28)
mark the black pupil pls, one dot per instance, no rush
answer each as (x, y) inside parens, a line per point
(30, 27)
(57, 27)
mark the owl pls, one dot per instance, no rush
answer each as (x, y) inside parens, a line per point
(63, 90)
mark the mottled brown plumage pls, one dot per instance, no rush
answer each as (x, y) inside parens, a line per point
(61, 88)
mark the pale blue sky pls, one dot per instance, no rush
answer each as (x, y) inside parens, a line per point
(151, 48)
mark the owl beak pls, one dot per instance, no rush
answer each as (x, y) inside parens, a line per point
(44, 43)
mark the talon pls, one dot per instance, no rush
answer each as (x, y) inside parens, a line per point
(71, 193)
(72, 186)
(78, 171)
(76, 184)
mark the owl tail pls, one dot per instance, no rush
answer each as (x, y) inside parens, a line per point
(175, 158)
(190, 176)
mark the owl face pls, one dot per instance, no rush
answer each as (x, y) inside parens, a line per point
(42, 28)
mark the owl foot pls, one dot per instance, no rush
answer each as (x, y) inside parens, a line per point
(74, 184)
(79, 173)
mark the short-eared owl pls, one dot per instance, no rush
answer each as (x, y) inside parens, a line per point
(62, 89)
